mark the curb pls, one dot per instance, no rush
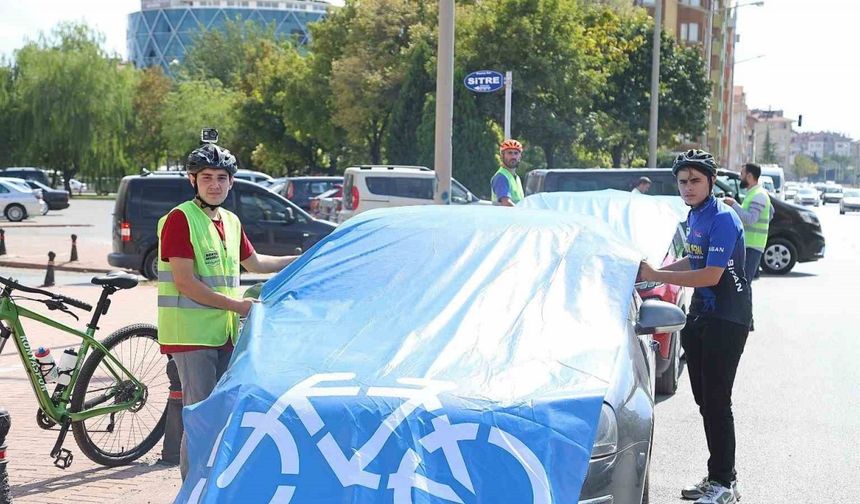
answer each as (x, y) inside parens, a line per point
(60, 267)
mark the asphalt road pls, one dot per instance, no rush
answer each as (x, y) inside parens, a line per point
(90, 218)
(797, 393)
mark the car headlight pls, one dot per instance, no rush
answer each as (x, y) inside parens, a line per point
(809, 217)
(606, 441)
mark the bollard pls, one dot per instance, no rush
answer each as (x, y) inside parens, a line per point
(5, 491)
(173, 426)
(74, 255)
(49, 274)
(2, 241)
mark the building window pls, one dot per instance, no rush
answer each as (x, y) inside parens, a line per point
(694, 32)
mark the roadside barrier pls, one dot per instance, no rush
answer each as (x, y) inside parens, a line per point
(49, 274)
(74, 254)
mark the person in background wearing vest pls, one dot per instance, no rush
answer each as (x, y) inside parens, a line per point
(643, 186)
(201, 246)
(756, 213)
(719, 317)
(505, 186)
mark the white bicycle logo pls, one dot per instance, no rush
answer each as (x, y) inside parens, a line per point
(418, 393)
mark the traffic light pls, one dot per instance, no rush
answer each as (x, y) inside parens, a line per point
(800, 120)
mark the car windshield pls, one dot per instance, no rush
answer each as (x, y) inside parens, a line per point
(807, 191)
(852, 193)
(833, 189)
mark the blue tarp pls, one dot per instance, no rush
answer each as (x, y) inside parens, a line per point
(647, 223)
(422, 354)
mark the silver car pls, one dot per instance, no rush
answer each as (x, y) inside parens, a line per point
(850, 201)
(807, 196)
(18, 202)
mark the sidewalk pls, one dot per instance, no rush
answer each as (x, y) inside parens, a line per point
(27, 246)
(32, 475)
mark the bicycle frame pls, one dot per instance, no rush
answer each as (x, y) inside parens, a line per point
(11, 314)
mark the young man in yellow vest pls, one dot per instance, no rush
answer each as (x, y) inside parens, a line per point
(201, 246)
(756, 213)
(505, 186)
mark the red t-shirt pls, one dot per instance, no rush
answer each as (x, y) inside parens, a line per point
(176, 242)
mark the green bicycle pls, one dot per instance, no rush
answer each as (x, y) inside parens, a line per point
(115, 401)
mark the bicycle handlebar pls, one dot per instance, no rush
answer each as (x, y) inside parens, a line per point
(8, 282)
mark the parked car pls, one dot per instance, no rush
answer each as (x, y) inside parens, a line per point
(328, 204)
(517, 369)
(807, 196)
(252, 176)
(369, 187)
(639, 222)
(795, 233)
(56, 199)
(17, 202)
(75, 185)
(300, 190)
(25, 186)
(274, 225)
(832, 194)
(269, 183)
(850, 201)
(26, 173)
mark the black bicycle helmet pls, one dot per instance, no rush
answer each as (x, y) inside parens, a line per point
(698, 159)
(211, 156)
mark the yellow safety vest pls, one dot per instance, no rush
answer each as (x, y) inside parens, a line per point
(183, 321)
(514, 183)
(755, 235)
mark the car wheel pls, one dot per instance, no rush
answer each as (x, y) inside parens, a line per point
(149, 269)
(667, 382)
(15, 213)
(779, 257)
(841, 212)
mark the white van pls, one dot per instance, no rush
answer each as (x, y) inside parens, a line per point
(778, 175)
(369, 187)
(767, 182)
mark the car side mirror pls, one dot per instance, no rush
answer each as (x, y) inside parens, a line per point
(289, 216)
(659, 317)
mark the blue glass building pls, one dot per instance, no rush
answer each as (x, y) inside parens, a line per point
(164, 29)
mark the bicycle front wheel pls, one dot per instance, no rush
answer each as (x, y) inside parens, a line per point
(120, 438)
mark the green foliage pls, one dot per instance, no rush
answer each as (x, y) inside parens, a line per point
(73, 105)
(197, 104)
(804, 166)
(402, 137)
(768, 151)
(149, 148)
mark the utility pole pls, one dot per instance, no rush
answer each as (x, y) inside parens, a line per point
(444, 103)
(655, 84)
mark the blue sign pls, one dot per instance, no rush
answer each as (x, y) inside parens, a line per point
(484, 81)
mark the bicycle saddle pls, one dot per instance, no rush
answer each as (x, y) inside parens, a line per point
(117, 280)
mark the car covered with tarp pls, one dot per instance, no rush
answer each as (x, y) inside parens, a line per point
(438, 354)
(652, 226)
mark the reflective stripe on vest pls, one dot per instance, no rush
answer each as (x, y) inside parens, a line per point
(755, 235)
(514, 184)
(183, 321)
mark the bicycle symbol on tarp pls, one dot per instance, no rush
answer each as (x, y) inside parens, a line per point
(418, 394)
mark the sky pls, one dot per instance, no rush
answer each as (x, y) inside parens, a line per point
(806, 64)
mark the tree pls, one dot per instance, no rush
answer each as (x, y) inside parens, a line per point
(223, 54)
(8, 143)
(619, 125)
(150, 113)
(369, 69)
(768, 154)
(804, 166)
(402, 140)
(555, 60)
(74, 104)
(197, 104)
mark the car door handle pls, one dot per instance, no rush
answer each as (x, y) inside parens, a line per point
(305, 235)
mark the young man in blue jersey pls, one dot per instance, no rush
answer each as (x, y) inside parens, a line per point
(719, 317)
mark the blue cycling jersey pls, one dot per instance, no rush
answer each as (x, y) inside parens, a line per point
(715, 237)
